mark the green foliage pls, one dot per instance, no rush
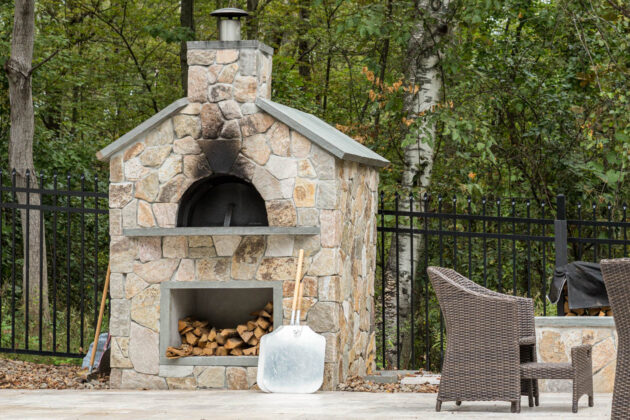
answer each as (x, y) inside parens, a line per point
(534, 103)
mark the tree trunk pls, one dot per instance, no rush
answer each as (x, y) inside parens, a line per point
(19, 68)
(252, 22)
(304, 63)
(186, 20)
(422, 71)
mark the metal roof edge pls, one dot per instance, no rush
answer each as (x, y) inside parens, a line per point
(266, 105)
(117, 145)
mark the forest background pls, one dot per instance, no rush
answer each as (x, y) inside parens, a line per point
(534, 99)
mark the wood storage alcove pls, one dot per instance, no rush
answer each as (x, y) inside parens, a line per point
(225, 305)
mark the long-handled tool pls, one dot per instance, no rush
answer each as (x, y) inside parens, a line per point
(292, 357)
(100, 318)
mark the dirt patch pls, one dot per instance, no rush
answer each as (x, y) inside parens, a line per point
(358, 384)
(17, 374)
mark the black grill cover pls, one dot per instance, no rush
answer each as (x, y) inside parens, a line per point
(584, 283)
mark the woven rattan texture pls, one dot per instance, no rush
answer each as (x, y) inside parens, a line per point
(526, 326)
(580, 370)
(617, 278)
(482, 356)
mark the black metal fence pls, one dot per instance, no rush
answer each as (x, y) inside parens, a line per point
(509, 245)
(54, 254)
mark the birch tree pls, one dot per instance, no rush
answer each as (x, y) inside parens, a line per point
(424, 85)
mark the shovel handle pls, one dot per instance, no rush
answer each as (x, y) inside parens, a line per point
(100, 317)
(298, 277)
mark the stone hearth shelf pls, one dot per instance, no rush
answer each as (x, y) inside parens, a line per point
(233, 230)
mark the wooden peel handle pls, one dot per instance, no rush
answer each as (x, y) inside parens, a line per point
(299, 302)
(298, 277)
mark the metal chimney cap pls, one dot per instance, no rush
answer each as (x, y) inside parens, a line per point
(229, 12)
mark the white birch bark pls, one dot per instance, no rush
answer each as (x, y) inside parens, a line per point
(423, 76)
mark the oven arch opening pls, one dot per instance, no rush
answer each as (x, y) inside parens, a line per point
(222, 200)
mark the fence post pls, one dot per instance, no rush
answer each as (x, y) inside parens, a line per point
(560, 241)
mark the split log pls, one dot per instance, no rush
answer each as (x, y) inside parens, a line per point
(191, 338)
(259, 332)
(181, 325)
(199, 324)
(250, 351)
(212, 335)
(246, 335)
(227, 332)
(236, 352)
(262, 323)
(268, 307)
(241, 329)
(222, 351)
(233, 343)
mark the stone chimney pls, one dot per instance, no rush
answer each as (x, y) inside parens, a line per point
(225, 77)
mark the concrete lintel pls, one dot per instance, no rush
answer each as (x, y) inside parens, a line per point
(574, 321)
(229, 45)
(231, 230)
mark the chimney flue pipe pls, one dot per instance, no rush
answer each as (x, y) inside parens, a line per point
(229, 23)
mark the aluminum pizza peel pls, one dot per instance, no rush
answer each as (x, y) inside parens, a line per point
(291, 358)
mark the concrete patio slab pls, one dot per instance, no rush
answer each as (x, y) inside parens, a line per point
(191, 405)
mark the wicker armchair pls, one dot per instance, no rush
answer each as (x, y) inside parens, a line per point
(617, 279)
(482, 359)
(526, 327)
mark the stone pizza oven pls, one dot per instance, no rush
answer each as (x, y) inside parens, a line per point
(211, 199)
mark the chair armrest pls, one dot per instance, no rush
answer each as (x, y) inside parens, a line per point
(582, 353)
(582, 362)
(526, 325)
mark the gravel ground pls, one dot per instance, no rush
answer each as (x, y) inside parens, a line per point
(16, 374)
(358, 384)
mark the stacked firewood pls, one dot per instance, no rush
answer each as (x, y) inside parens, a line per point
(199, 339)
(603, 311)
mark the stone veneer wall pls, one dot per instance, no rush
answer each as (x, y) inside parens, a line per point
(302, 185)
(556, 335)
